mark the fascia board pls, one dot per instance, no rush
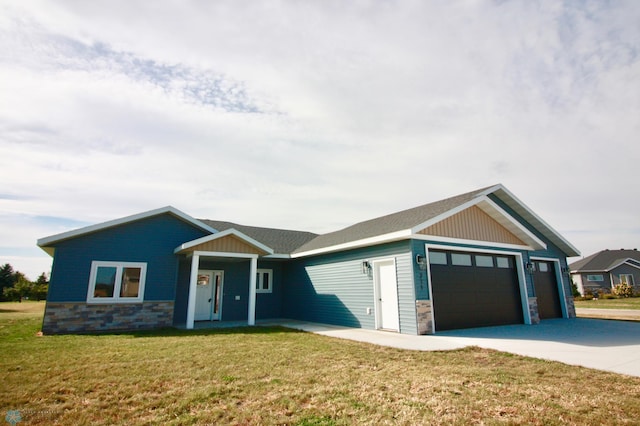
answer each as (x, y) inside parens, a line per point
(218, 235)
(571, 251)
(386, 238)
(47, 241)
(624, 262)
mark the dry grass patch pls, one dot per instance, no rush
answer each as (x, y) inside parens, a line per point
(279, 376)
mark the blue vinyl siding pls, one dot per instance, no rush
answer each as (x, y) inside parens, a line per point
(333, 289)
(151, 240)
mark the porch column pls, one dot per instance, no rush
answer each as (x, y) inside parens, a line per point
(193, 281)
(252, 291)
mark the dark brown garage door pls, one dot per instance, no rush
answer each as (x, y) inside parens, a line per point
(474, 290)
(546, 285)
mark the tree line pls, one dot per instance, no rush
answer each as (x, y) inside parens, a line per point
(15, 286)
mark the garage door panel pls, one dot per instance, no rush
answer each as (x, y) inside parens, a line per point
(546, 286)
(475, 296)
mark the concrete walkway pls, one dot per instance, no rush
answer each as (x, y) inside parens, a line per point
(593, 343)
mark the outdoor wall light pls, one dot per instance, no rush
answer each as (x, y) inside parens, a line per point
(421, 261)
(531, 267)
(366, 267)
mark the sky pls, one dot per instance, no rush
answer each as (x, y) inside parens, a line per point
(315, 115)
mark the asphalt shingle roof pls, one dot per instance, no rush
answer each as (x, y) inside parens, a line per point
(399, 221)
(604, 260)
(282, 241)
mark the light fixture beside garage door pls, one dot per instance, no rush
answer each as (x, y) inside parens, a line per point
(421, 261)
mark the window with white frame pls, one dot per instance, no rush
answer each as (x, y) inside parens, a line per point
(595, 278)
(626, 279)
(264, 281)
(116, 282)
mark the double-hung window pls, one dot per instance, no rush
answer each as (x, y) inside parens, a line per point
(116, 282)
(264, 281)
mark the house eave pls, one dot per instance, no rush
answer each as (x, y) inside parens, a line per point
(365, 242)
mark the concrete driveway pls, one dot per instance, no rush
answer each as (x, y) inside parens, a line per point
(593, 343)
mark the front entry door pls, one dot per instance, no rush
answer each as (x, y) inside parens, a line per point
(387, 292)
(208, 295)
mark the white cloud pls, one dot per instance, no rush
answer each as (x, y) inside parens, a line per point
(314, 115)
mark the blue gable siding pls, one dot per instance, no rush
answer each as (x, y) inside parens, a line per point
(333, 289)
(151, 240)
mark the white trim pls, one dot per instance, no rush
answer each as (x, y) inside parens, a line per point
(524, 207)
(218, 235)
(251, 316)
(117, 283)
(522, 281)
(559, 282)
(46, 241)
(223, 254)
(424, 237)
(624, 262)
(260, 272)
(193, 282)
(496, 213)
(386, 238)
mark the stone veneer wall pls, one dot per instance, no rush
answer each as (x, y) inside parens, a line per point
(75, 317)
(423, 313)
(571, 307)
(533, 310)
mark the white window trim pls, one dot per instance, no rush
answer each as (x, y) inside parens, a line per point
(595, 280)
(260, 280)
(116, 291)
(632, 283)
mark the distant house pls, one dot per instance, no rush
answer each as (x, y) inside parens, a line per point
(477, 259)
(607, 268)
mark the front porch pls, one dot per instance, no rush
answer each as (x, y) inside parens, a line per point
(222, 273)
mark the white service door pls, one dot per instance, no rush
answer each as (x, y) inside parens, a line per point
(208, 295)
(388, 295)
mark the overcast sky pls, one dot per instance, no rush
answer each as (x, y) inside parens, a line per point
(314, 115)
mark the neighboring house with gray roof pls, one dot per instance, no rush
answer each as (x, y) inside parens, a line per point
(604, 270)
(477, 259)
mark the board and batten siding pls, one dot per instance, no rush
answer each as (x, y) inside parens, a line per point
(334, 289)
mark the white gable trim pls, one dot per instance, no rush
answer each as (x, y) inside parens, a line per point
(551, 233)
(223, 234)
(48, 241)
(496, 213)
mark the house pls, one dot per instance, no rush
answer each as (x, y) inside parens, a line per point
(604, 270)
(477, 259)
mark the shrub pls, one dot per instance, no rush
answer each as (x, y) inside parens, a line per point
(623, 290)
(574, 290)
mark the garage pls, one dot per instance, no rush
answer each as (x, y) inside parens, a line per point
(474, 289)
(546, 286)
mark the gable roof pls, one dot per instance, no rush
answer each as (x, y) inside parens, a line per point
(48, 243)
(606, 260)
(257, 245)
(281, 241)
(403, 224)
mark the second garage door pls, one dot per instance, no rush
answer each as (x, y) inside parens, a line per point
(474, 290)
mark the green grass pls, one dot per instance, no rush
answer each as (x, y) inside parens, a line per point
(624, 303)
(279, 376)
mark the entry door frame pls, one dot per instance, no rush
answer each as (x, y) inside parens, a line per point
(559, 281)
(522, 281)
(214, 273)
(378, 291)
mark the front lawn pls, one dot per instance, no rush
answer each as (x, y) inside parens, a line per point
(624, 303)
(274, 375)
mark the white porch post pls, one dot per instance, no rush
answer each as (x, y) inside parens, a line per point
(193, 281)
(252, 291)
